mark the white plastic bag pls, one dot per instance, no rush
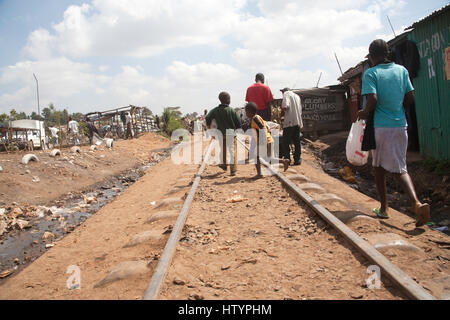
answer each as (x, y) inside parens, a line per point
(353, 150)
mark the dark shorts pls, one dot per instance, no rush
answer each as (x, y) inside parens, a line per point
(265, 114)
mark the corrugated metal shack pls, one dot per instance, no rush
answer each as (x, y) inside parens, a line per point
(323, 110)
(432, 83)
(424, 50)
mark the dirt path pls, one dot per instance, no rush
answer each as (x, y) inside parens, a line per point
(267, 247)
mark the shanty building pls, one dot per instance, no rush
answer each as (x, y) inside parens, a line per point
(424, 50)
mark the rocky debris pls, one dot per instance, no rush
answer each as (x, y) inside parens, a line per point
(196, 296)
(124, 270)
(197, 235)
(439, 287)
(163, 215)
(93, 147)
(303, 226)
(144, 237)
(90, 200)
(178, 282)
(6, 273)
(36, 179)
(20, 224)
(236, 199)
(48, 235)
(347, 174)
(3, 225)
(16, 212)
(1, 169)
(49, 245)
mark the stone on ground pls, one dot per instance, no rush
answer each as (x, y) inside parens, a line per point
(163, 215)
(124, 270)
(144, 237)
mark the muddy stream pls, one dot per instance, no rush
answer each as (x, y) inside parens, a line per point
(20, 247)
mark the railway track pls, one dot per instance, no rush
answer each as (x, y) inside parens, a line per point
(309, 248)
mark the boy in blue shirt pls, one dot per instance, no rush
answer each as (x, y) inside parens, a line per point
(389, 90)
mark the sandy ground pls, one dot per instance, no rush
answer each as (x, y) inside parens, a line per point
(267, 247)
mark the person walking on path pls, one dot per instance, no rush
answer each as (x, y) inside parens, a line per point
(389, 91)
(225, 118)
(260, 94)
(262, 136)
(128, 126)
(292, 108)
(72, 127)
(92, 129)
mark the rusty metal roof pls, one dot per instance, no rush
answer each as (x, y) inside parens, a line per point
(431, 16)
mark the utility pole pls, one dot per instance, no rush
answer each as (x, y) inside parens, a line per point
(338, 64)
(39, 112)
(319, 80)
(395, 36)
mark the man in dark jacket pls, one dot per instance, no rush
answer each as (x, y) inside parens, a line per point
(226, 118)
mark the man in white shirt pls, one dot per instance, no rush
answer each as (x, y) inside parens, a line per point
(128, 125)
(292, 124)
(73, 131)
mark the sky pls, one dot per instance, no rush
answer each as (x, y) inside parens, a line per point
(102, 54)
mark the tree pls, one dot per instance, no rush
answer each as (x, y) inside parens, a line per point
(171, 120)
(4, 117)
(12, 114)
(147, 112)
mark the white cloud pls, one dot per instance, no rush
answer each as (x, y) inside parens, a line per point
(285, 40)
(292, 42)
(140, 28)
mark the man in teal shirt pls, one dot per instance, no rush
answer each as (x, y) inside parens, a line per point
(226, 118)
(389, 90)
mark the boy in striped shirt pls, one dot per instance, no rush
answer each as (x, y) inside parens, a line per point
(258, 123)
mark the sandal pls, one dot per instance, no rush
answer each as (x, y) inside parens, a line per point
(380, 214)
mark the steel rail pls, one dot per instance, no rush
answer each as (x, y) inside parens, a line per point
(408, 285)
(153, 289)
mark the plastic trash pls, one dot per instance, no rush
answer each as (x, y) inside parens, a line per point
(441, 229)
(353, 150)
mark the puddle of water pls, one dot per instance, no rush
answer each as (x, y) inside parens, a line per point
(27, 245)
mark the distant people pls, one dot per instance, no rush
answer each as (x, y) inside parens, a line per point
(54, 131)
(389, 90)
(225, 118)
(72, 127)
(292, 108)
(92, 129)
(128, 126)
(260, 94)
(157, 121)
(205, 112)
(261, 128)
